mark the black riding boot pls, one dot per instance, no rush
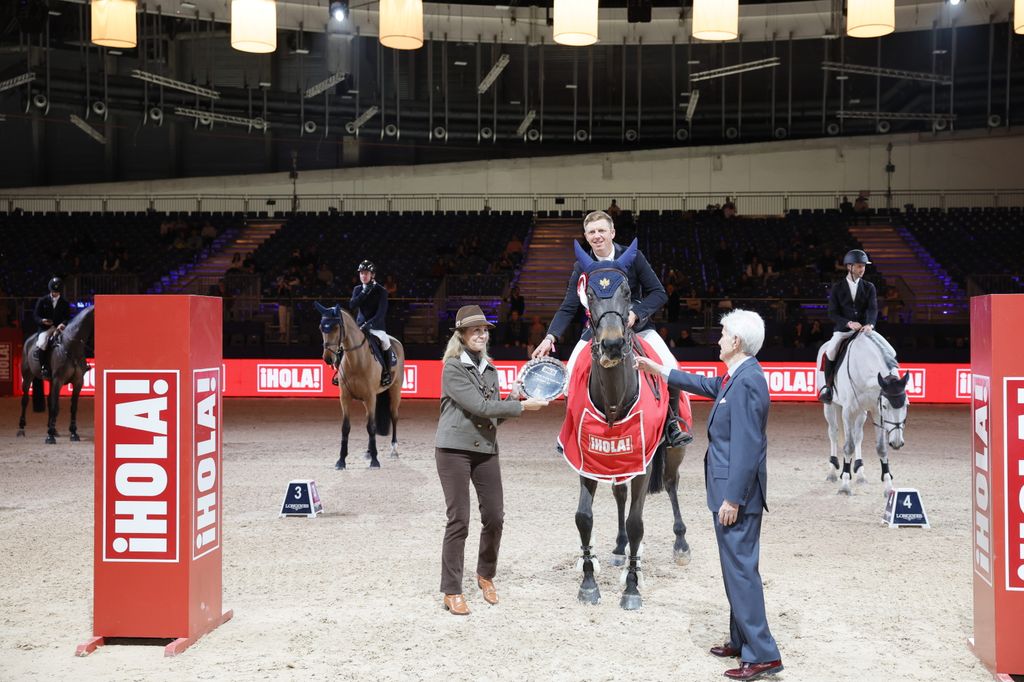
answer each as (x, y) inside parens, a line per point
(385, 366)
(44, 367)
(675, 435)
(825, 394)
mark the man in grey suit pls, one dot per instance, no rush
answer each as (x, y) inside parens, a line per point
(736, 477)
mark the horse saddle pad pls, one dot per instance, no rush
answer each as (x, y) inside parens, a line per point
(614, 452)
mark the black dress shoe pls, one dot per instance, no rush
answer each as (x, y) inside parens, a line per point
(752, 671)
(725, 651)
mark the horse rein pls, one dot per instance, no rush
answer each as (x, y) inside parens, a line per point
(334, 350)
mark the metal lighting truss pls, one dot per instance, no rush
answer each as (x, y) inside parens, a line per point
(174, 84)
(89, 130)
(364, 117)
(325, 84)
(16, 81)
(895, 116)
(210, 116)
(691, 106)
(890, 73)
(496, 70)
(527, 120)
(769, 63)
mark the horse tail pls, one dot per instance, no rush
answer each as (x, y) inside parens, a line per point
(656, 482)
(38, 395)
(383, 414)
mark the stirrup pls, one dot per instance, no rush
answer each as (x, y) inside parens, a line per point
(675, 437)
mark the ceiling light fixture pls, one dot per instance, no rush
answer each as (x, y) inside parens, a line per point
(575, 22)
(339, 10)
(401, 24)
(716, 19)
(870, 18)
(254, 26)
(113, 23)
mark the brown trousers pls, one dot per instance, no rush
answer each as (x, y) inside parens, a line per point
(456, 468)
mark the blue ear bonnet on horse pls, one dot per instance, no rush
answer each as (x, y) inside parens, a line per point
(330, 317)
(612, 273)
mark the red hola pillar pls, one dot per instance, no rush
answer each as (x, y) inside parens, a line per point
(997, 481)
(157, 562)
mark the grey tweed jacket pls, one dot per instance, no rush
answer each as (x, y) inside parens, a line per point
(471, 407)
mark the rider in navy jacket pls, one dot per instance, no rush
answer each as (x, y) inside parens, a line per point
(370, 305)
(52, 312)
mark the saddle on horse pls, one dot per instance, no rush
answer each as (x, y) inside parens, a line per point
(387, 359)
(828, 367)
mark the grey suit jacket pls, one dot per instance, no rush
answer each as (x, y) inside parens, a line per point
(471, 407)
(735, 466)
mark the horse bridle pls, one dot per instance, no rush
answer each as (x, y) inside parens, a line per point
(896, 425)
(338, 350)
(596, 323)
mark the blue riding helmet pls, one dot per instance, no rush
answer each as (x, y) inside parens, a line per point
(855, 256)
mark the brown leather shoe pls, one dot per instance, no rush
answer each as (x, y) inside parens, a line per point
(752, 671)
(456, 604)
(725, 651)
(487, 588)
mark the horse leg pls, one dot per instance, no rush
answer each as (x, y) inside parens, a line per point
(589, 592)
(833, 413)
(54, 409)
(680, 549)
(620, 492)
(883, 458)
(76, 389)
(858, 458)
(371, 430)
(396, 397)
(25, 383)
(631, 600)
(854, 427)
(345, 427)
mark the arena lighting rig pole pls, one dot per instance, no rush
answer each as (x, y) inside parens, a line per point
(889, 170)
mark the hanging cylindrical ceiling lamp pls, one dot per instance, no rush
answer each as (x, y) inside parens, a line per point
(1018, 16)
(254, 25)
(716, 19)
(113, 23)
(576, 22)
(401, 24)
(870, 18)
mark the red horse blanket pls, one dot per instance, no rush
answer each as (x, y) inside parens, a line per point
(616, 452)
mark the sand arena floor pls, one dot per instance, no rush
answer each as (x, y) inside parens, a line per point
(353, 594)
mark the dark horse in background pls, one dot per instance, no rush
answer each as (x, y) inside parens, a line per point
(346, 349)
(67, 366)
(614, 388)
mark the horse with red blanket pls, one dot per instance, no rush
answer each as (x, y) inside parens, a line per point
(613, 427)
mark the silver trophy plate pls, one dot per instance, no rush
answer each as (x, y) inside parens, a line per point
(543, 378)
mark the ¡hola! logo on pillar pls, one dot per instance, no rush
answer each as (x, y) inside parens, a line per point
(1013, 493)
(207, 446)
(140, 465)
(981, 492)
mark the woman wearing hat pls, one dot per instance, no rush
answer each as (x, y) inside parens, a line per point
(467, 450)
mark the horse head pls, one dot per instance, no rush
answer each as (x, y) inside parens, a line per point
(892, 404)
(333, 332)
(606, 289)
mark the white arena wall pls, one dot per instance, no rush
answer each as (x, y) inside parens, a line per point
(976, 162)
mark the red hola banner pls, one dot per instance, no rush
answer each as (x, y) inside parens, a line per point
(1013, 493)
(140, 466)
(787, 381)
(982, 479)
(207, 445)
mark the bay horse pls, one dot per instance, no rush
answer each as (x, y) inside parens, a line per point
(67, 366)
(346, 350)
(867, 384)
(614, 387)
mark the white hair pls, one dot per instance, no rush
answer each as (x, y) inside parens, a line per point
(748, 327)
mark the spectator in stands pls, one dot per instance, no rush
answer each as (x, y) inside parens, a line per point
(516, 302)
(685, 339)
(613, 210)
(845, 207)
(369, 304)
(537, 332)
(672, 306)
(648, 297)
(893, 303)
(664, 334)
(284, 291)
(391, 286)
(179, 242)
(52, 312)
(195, 242)
(729, 208)
(324, 275)
(236, 263)
(208, 233)
(860, 207)
(515, 333)
(798, 334)
(249, 262)
(815, 335)
(111, 262)
(514, 250)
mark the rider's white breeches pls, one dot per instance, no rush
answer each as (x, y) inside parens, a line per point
(833, 343)
(382, 336)
(44, 338)
(651, 336)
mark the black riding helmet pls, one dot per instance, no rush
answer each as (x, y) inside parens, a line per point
(56, 284)
(367, 266)
(855, 256)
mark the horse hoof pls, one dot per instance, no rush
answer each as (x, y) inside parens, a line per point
(367, 455)
(862, 480)
(617, 559)
(50, 440)
(631, 602)
(75, 437)
(339, 465)
(589, 595)
(374, 464)
(682, 557)
(21, 433)
(393, 454)
(844, 490)
(832, 476)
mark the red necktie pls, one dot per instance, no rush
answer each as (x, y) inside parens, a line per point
(725, 382)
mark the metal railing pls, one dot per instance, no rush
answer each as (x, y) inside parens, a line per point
(750, 203)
